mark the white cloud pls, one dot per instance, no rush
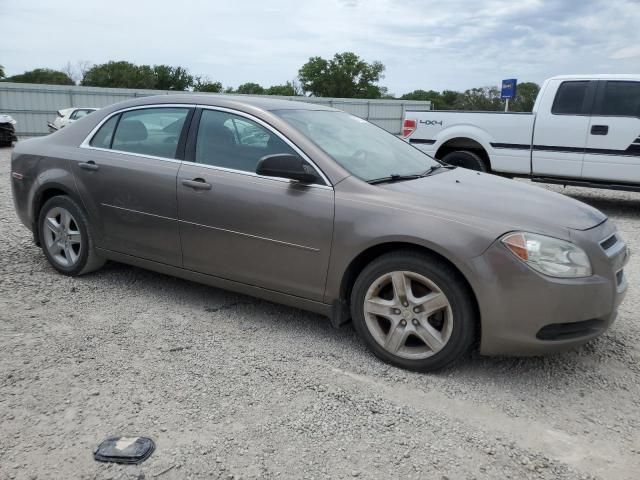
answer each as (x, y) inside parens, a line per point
(626, 52)
(427, 44)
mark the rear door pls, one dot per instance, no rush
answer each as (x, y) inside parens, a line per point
(561, 126)
(126, 174)
(262, 231)
(613, 143)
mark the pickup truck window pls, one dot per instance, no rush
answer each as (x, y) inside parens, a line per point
(620, 99)
(570, 98)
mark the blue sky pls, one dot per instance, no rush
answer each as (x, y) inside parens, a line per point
(450, 44)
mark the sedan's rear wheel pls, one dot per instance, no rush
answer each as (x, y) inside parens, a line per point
(413, 311)
(65, 237)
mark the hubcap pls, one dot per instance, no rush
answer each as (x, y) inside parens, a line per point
(62, 237)
(408, 315)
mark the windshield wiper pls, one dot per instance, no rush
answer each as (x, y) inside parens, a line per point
(394, 177)
(437, 166)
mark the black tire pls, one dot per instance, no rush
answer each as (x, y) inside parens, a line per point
(450, 283)
(466, 159)
(88, 260)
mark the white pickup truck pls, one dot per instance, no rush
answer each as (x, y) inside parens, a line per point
(584, 130)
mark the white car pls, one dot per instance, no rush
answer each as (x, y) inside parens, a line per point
(584, 130)
(7, 130)
(69, 115)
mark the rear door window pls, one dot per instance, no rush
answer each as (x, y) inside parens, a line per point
(102, 138)
(620, 99)
(570, 98)
(151, 131)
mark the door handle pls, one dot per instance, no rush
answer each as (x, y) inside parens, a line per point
(90, 165)
(197, 184)
(599, 129)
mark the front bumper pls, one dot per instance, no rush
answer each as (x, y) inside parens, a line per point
(526, 313)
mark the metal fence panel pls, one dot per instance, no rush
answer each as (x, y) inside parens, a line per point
(33, 106)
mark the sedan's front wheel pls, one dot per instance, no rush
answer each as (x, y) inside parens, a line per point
(413, 311)
(65, 237)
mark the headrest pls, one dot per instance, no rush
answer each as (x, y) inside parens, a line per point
(131, 131)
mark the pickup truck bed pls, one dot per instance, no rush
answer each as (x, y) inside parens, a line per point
(504, 136)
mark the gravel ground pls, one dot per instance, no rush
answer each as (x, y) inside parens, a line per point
(233, 387)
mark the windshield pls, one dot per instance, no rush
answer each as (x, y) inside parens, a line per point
(366, 151)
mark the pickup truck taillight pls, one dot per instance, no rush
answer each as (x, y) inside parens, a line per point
(408, 127)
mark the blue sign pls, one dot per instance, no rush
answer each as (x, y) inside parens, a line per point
(508, 88)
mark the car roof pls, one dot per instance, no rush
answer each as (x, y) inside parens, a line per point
(223, 100)
(600, 76)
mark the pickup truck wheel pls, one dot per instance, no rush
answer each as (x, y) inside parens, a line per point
(465, 159)
(413, 311)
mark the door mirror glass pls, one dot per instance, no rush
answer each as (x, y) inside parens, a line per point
(284, 165)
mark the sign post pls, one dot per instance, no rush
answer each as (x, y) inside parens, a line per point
(508, 91)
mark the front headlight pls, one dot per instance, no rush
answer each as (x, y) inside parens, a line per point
(551, 256)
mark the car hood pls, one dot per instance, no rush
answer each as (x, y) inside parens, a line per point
(513, 204)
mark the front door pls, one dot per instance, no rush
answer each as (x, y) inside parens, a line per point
(262, 231)
(126, 176)
(613, 143)
(560, 131)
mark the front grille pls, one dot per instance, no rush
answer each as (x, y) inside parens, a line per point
(567, 331)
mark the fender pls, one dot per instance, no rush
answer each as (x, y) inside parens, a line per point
(464, 131)
(59, 179)
(404, 241)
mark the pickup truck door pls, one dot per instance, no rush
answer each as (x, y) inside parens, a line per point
(613, 144)
(560, 132)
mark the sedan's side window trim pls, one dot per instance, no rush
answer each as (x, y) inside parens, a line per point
(190, 153)
(113, 134)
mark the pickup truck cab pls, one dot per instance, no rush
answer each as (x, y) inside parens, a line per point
(584, 130)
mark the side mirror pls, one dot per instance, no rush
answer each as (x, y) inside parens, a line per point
(285, 165)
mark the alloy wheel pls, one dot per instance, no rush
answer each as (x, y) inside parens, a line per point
(408, 315)
(62, 237)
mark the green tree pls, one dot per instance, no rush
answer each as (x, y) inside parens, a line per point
(447, 100)
(526, 94)
(203, 84)
(288, 89)
(250, 88)
(119, 75)
(42, 75)
(423, 95)
(450, 100)
(172, 78)
(1, 71)
(481, 98)
(345, 75)
(128, 75)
